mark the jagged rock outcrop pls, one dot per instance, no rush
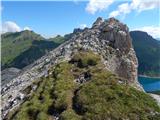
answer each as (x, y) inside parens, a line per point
(108, 38)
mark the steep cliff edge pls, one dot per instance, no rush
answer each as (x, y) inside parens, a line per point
(109, 38)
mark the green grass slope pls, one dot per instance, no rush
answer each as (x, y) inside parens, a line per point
(13, 44)
(23, 48)
(100, 97)
(37, 50)
(148, 53)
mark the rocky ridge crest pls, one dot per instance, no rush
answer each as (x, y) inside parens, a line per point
(109, 38)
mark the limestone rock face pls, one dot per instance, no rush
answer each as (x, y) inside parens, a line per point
(109, 38)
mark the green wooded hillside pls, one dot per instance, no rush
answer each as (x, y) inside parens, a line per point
(148, 53)
(20, 49)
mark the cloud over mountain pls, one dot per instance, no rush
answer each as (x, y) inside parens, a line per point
(26, 28)
(98, 5)
(137, 5)
(154, 31)
(10, 26)
(123, 9)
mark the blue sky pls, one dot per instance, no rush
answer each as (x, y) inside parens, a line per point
(51, 17)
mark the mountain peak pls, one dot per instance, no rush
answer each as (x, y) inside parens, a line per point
(25, 34)
(98, 22)
(111, 22)
(111, 39)
(114, 32)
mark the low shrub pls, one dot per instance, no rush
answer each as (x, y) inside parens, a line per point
(85, 59)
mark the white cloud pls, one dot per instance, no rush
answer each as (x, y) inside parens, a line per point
(10, 26)
(82, 26)
(154, 31)
(123, 9)
(98, 5)
(137, 5)
(141, 5)
(27, 28)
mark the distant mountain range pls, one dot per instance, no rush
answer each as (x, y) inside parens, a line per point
(148, 53)
(23, 48)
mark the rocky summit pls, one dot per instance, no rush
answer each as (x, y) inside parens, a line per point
(109, 38)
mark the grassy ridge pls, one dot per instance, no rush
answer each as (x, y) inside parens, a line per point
(100, 97)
